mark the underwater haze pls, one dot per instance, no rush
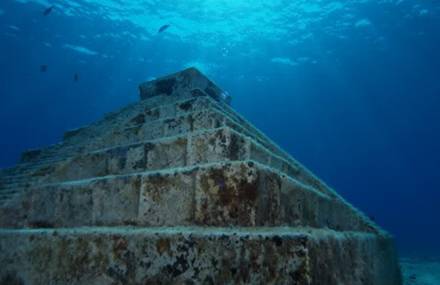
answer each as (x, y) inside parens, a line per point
(349, 88)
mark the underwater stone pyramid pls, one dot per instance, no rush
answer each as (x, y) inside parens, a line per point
(179, 189)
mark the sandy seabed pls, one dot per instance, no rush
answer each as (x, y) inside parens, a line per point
(420, 271)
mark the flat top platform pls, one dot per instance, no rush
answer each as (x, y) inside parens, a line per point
(187, 83)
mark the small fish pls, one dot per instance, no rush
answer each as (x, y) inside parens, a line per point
(76, 77)
(48, 10)
(163, 28)
(43, 68)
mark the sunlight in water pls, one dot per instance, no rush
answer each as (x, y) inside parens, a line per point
(293, 22)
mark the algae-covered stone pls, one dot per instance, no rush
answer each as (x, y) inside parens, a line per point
(180, 189)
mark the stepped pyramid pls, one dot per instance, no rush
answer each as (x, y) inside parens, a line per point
(180, 189)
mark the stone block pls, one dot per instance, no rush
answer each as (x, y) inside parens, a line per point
(166, 199)
(230, 195)
(82, 166)
(301, 205)
(214, 194)
(151, 131)
(125, 159)
(167, 153)
(167, 110)
(189, 82)
(177, 126)
(207, 119)
(60, 206)
(196, 256)
(259, 154)
(152, 114)
(116, 201)
(96, 202)
(218, 145)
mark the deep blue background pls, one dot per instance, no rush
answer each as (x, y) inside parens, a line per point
(364, 117)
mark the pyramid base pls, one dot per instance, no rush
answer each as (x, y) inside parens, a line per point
(195, 255)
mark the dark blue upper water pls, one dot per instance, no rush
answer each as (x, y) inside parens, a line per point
(351, 88)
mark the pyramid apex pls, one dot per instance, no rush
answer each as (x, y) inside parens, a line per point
(189, 82)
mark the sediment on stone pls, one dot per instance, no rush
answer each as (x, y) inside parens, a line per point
(166, 127)
(132, 116)
(169, 128)
(215, 194)
(180, 189)
(180, 255)
(212, 145)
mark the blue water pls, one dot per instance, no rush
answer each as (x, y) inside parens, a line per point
(351, 88)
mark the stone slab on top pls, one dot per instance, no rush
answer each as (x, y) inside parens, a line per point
(187, 83)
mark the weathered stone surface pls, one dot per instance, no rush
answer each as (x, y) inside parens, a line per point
(112, 201)
(195, 256)
(132, 116)
(243, 193)
(187, 83)
(201, 120)
(180, 189)
(191, 148)
(167, 199)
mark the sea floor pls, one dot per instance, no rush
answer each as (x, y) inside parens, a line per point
(420, 271)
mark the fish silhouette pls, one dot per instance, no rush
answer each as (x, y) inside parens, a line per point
(48, 10)
(76, 77)
(163, 28)
(43, 68)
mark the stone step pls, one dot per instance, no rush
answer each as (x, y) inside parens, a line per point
(12, 189)
(26, 169)
(242, 125)
(207, 146)
(7, 191)
(13, 178)
(149, 131)
(29, 172)
(138, 114)
(23, 179)
(162, 128)
(9, 186)
(196, 255)
(206, 119)
(6, 198)
(217, 194)
(16, 178)
(235, 121)
(170, 152)
(31, 157)
(136, 119)
(14, 185)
